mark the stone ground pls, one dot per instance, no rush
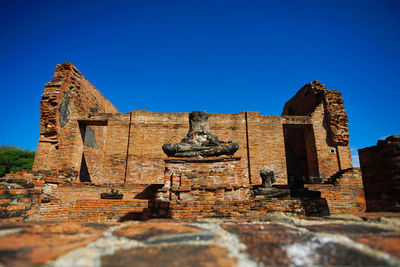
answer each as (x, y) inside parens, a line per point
(276, 240)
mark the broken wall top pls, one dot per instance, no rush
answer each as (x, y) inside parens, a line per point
(311, 95)
(68, 95)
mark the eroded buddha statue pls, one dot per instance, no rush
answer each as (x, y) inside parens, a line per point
(199, 141)
(266, 190)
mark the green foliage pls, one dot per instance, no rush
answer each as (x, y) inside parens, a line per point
(14, 158)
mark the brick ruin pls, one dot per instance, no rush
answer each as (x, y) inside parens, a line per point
(380, 167)
(87, 147)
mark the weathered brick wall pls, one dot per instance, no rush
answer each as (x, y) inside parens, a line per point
(84, 135)
(312, 95)
(221, 209)
(116, 151)
(66, 98)
(107, 210)
(232, 127)
(260, 138)
(63, 198)
(213, 187)
(266, 146)
(93, 154)
(345, 195)
(82, 131)
(19, 203)
(328, 163)
(330, 125)
(106, 160)
(20, 197)
(139, 136)
(219, 178)
(150, 130)
(380, 166)
(344, 156)
(53, 197)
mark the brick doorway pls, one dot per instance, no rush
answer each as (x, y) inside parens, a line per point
(301, 153)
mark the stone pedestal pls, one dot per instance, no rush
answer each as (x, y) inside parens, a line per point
(204, 179)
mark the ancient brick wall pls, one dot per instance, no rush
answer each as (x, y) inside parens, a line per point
(20, 196)
(19, 203)
(232, 127)
(330, 125)
(82, 131)
(312, 95)
(223, 209)
(116, 148)
(219, 178)
(327, 157)
(266, 146)
(66, 98)
(345, 194)
(63, 199)
(93, 153)
(150, 130)
(380, 166)
(86, 145)
(107, 210)
(53, 196)
(87, 152)
(127, 147)
(105, 146)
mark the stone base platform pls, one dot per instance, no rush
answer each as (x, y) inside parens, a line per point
(204, 179)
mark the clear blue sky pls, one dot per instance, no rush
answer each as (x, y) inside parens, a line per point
(218, 56)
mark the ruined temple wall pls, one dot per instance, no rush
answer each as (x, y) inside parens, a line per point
(116, 148)
(344, 155)
(328, 163)
(266, 146)
(346, 195)
(330, 125)
(309, 97)
(375, 184)
(105, 162)
(64, 199)
(65, 154)
(126, 148)
(150, 130)
(232, 127)
(93, 154)
(66, 98)
(380, 166)
(260, 139)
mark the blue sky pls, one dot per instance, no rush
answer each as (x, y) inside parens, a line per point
(217, 56)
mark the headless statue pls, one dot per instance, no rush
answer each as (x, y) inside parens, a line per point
(266, 190)
(199, 141)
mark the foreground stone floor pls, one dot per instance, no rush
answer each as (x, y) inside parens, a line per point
(276, 240)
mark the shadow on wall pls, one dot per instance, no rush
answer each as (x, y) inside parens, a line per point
(156, 208)
(313, 203)
(84, 175)
(301, 153)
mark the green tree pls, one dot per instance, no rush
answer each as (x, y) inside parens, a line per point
(14, 158)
